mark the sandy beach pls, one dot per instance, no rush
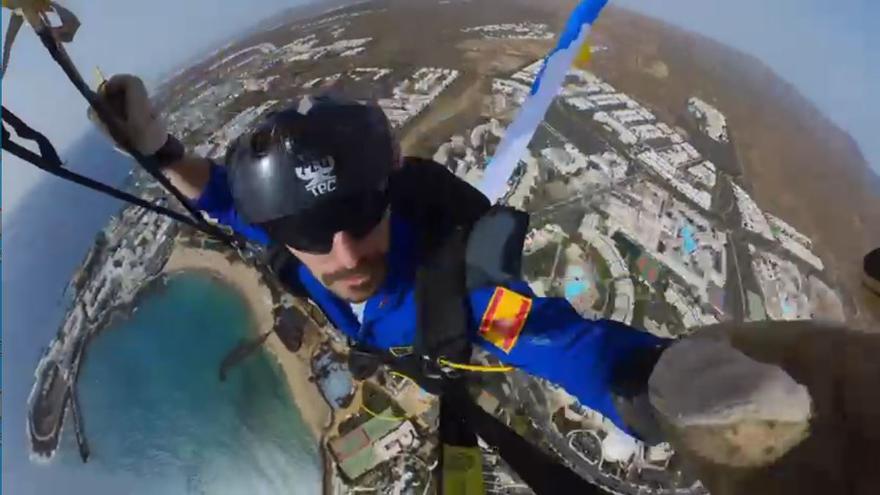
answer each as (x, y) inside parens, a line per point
(312, 406)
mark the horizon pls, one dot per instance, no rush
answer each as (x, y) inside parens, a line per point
(838, 86)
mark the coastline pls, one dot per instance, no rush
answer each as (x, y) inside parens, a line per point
(248, 282)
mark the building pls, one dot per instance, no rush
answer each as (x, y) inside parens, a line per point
(671, 232)
(568, 159)
(713, 122)
(690, 311)
(613, 125)
(783, 287)
(519, 31)
(415, 93)
(752, 217)
(372, 443)
(666, 169)
(704, 174)
(396, 441)
(793, 241)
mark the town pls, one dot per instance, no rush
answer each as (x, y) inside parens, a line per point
(633, 219)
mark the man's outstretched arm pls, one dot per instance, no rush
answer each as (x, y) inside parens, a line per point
(145, 131)
(203, 182)
(544, 336)
(190, 175)
(639, 381)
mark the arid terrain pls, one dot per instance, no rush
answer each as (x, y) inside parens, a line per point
(797, 164)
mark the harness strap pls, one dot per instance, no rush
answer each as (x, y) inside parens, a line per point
(543, 473)
(48, 160)
(441, 306)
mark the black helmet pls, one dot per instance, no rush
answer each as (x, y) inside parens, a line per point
(323, 150)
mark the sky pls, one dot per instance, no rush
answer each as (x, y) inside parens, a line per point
(824, 48)
(820, 46)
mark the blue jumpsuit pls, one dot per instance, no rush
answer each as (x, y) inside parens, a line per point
(544, 336)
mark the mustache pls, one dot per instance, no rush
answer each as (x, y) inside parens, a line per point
(367, 267)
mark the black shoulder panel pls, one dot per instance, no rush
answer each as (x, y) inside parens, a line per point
(434, 199)
(495, 245)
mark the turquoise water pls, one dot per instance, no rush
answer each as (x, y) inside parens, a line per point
(576, 283)
(335, 380)
(687, 234)
(158, 416)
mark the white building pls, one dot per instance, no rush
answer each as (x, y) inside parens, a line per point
(671, 232)
(218, 141)
(662, 167)
(605, 100)
(704, 173)
(414, 94)
(689, 310)
(374, 73)
(396, 441)
(519, 30)
(623, 134)
(611, 164)
(679, 155)
(624, 291)
(537, 239)
(645, 132)
(785, 295)
(568, 159)
(307, 48)
(714, 123)
(752, 217)
(262, 48)
(795, 242)
(634, 115)
(529, 73)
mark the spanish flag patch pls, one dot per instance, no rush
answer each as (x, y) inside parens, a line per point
(505, 318)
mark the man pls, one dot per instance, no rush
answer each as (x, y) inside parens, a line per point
(324, 179)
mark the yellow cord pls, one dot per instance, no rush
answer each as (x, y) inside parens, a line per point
(400, 350)
(381, 416)
(401, 375)
(476, 367)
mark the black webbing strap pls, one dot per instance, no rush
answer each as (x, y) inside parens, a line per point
(442, 321)
(543, 473)
(441, 302)
(49, 161)
(106, 115)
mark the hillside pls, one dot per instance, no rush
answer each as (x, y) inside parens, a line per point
(796, 162)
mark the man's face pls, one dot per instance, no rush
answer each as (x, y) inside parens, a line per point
(355, 268)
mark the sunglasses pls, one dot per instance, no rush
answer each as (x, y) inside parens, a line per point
(313, 230)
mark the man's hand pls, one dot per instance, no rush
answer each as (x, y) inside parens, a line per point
(774, 407)
(726, 406)
(144, 130)
(127, 97)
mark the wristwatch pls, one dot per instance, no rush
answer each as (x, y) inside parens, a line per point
(170, 152)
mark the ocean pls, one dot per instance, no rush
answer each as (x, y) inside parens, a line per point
(157, 418)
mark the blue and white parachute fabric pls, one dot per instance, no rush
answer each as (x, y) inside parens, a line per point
(572, 44)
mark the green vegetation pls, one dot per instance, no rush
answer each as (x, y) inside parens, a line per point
(374, 399)
(520, 424)
(539, 263)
